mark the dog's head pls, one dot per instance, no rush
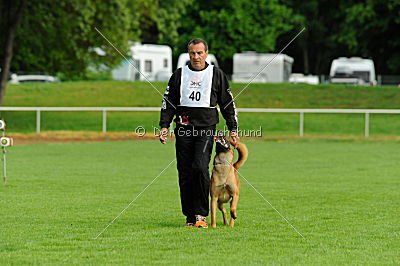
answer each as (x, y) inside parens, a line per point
(221, 143)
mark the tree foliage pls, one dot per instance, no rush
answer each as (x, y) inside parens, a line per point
(11, 18)
(235, 26)
(160, 21)
(59, 37)
(368, 28)
(372, 29)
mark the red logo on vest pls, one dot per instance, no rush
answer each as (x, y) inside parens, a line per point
(183, 120)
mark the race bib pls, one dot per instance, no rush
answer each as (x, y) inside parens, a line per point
(196, 87)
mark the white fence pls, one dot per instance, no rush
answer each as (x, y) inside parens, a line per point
(301, 113)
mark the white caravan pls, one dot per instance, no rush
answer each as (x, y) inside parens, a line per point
(353, 70)
(184, 60)
(247, 65)
(153, 61)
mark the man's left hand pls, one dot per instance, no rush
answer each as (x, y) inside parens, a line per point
(235, 138)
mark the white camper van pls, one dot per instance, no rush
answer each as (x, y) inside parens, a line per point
(184, 60)
(248, 64)
(154, 61)
(353, 70)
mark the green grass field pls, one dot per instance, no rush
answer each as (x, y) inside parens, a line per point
(122, 94)
(118, 93)
(343, 196)
(270, 124)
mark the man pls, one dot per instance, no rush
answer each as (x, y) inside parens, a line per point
(192, 95)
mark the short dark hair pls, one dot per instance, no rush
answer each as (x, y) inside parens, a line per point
(197, 41)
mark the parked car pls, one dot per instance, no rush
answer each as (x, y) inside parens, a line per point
(22, 78)
(301, 78)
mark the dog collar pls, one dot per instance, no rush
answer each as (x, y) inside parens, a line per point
(221, 164)
(220, 148)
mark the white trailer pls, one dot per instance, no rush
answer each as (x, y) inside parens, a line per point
(247, 65)
(353, 70)
(184, 60)
(153, 61)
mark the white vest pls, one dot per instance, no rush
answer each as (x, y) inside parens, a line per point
(196, 87)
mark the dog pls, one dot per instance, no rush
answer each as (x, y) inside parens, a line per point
(225, 184)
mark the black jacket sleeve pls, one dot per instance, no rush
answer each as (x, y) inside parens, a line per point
(226, 103)
(169, 102)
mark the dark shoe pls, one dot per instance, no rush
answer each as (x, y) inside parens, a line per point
(190, 225)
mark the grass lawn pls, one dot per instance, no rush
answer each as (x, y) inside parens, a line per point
(119, 93)
(116, 93)
(270, 124)
(343, 196)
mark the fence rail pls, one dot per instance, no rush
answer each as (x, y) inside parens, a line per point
(301, 113)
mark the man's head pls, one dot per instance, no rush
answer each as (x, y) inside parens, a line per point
(198, 52)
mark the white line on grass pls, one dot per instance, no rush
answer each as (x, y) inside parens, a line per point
(129, 61)
(267, 201)
(270, 61)
(135, 198)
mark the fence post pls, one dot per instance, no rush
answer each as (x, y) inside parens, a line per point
(366, 133)
(301, 124)
(37, 121)
(104, 121)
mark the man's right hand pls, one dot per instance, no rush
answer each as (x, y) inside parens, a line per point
(235, 138)
(163, 135)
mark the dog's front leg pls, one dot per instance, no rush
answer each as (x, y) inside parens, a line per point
(214, 200)
(222, 209)
(234, 204)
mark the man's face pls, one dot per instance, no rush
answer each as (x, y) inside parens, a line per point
(198, 55)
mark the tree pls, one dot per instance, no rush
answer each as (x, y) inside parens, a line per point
(345, 28)
(60, 37)
(315, 47)
(160, 20)
(12, 14)
(371, 29)
(236, 26)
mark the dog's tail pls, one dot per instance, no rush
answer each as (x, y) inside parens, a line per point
(243, 154)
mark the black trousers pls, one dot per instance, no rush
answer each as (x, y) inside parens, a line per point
(193, 153)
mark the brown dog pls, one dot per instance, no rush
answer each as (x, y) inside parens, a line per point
(225, 185)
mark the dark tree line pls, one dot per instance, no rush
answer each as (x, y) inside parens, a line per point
(369, 29)
(58, 36)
